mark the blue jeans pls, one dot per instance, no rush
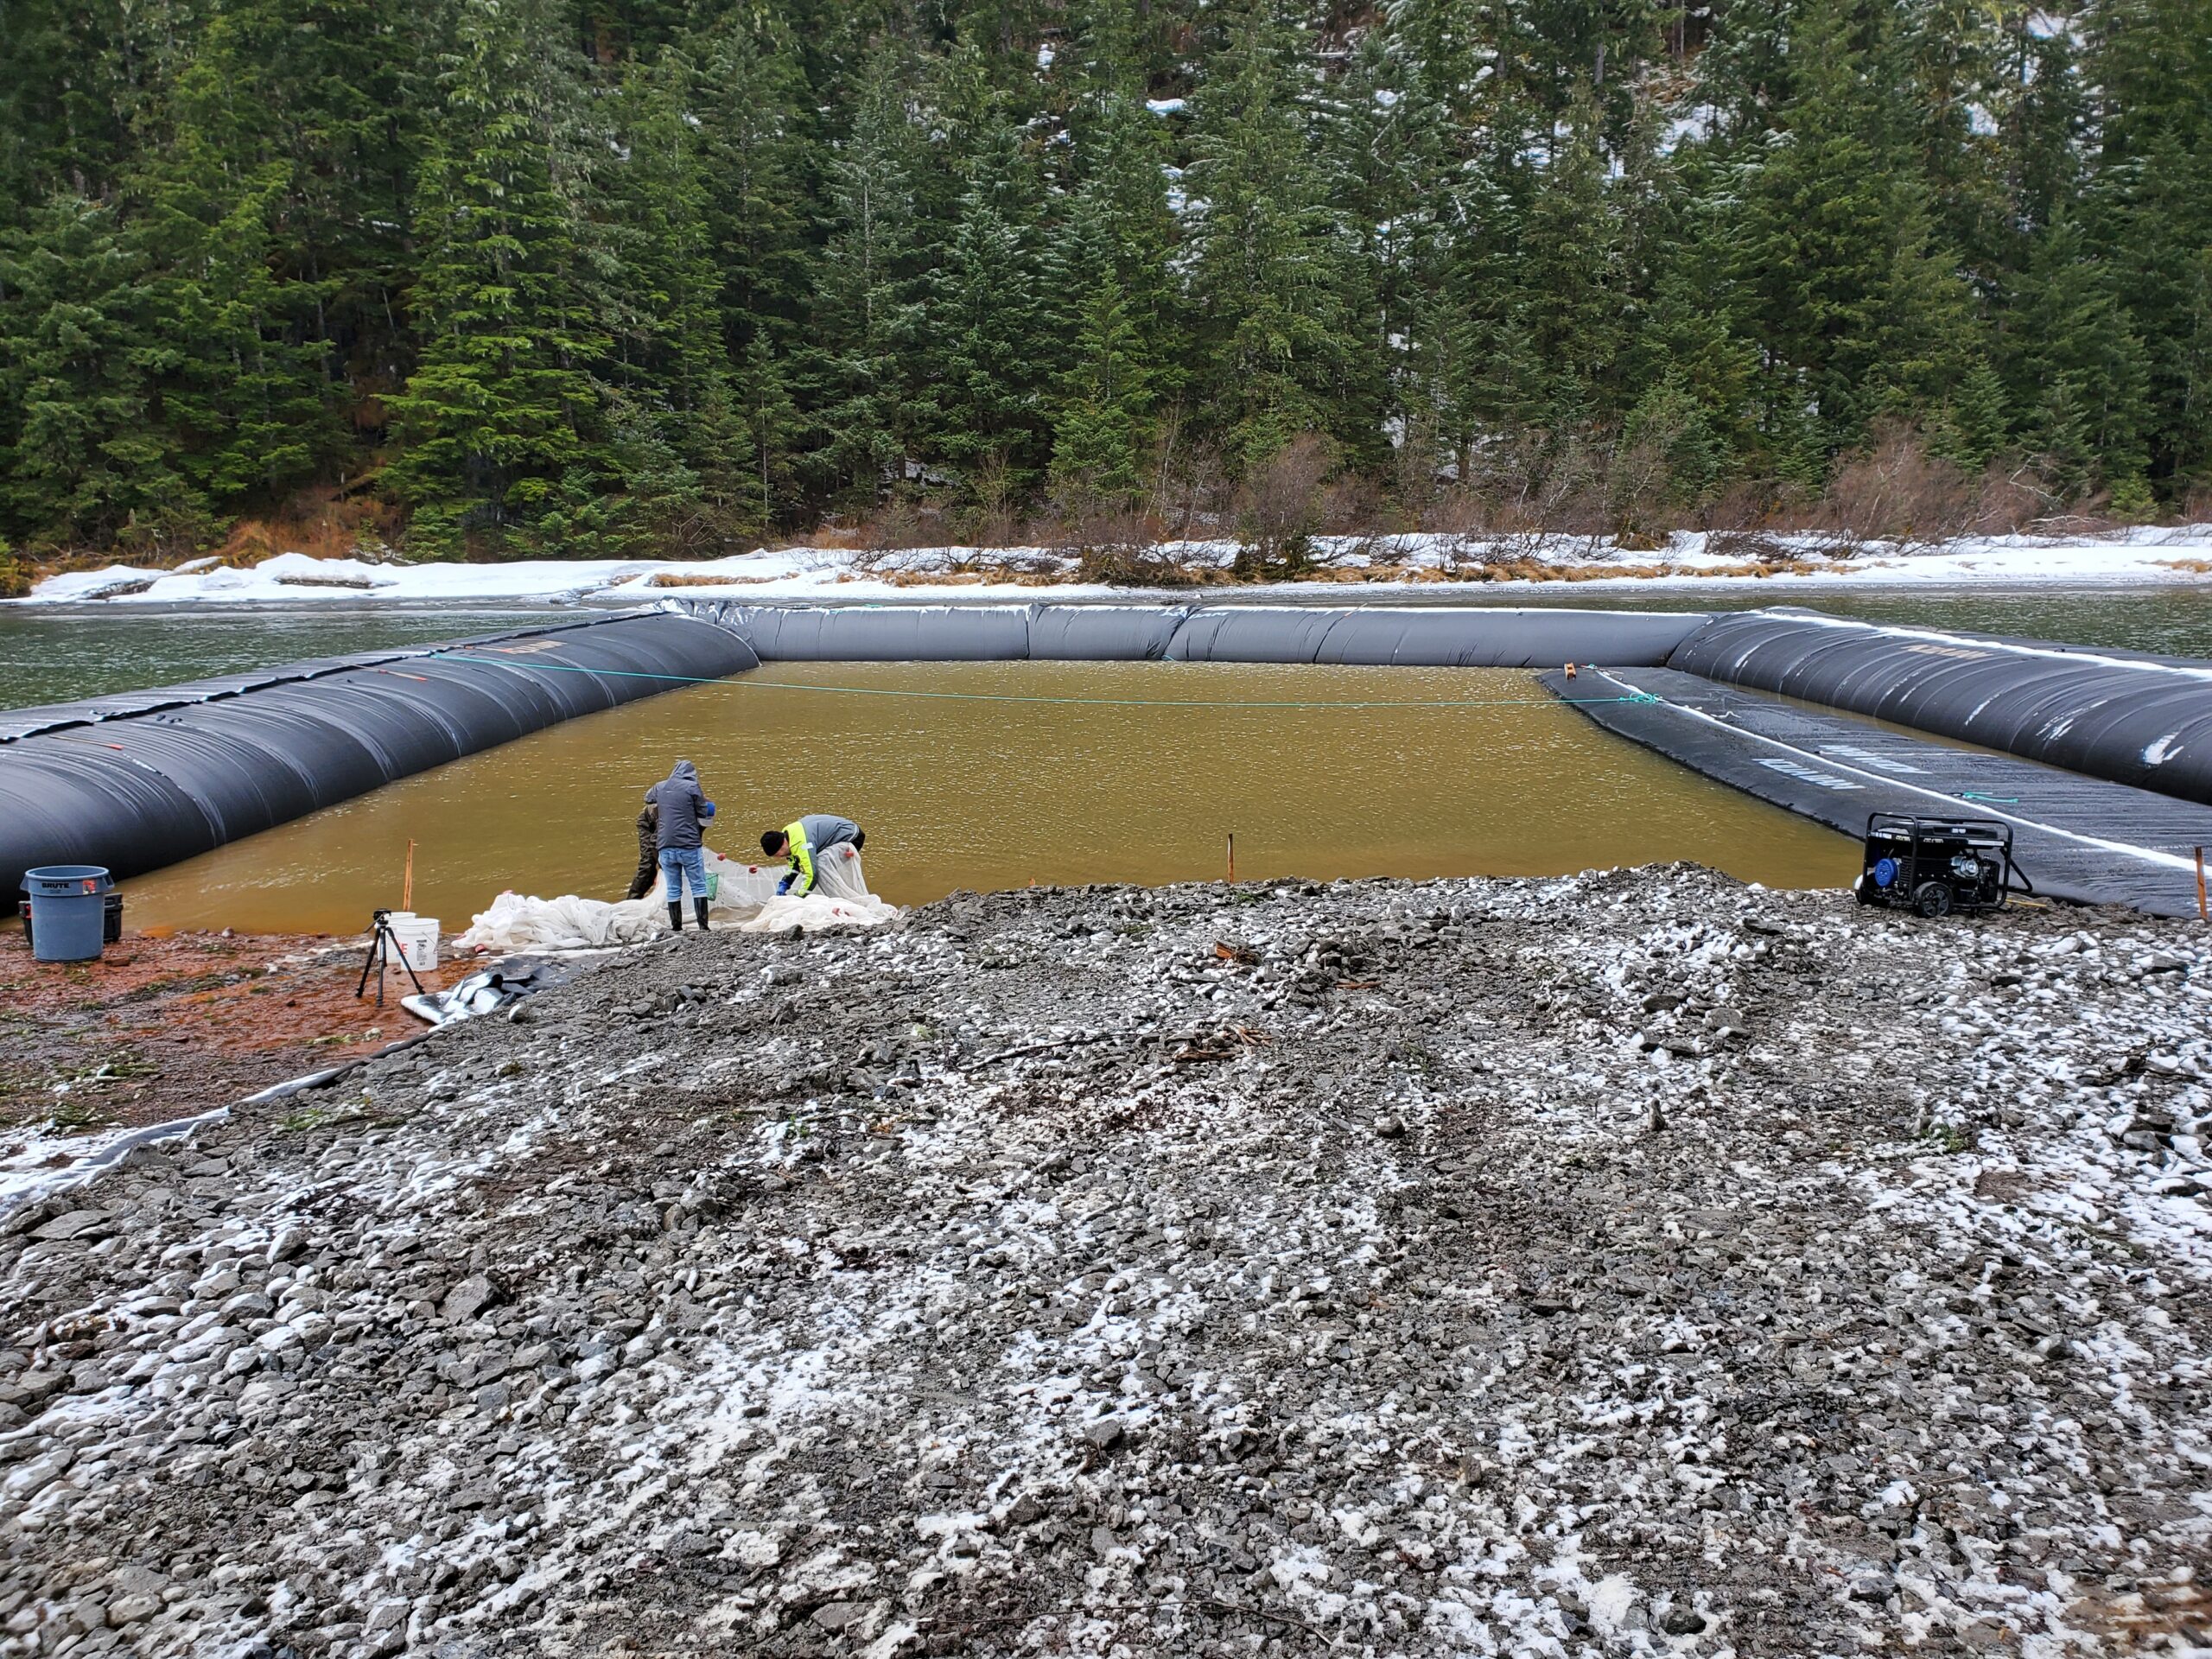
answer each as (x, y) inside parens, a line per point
(675, 863)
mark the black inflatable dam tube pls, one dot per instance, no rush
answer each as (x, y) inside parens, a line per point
(2129, 718)
(146, 779)
(1404, 636)
(883, 633)
(1430, 636)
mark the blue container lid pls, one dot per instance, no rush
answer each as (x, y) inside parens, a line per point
(61, 881)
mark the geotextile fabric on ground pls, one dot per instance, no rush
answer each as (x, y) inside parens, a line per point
(745, 899)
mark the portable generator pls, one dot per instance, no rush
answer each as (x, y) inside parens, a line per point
(1935, 865)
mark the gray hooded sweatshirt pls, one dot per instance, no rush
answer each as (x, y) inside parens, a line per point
(683, 805)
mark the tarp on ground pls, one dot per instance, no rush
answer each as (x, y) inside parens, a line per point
(2132, 719)
(746, 901)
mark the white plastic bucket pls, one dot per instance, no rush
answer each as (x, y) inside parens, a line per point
(417, 939)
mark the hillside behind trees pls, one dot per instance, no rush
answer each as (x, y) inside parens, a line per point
(500, 278)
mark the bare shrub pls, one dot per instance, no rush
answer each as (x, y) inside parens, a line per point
(1416, 464)
(2196, 504)
(1459, 515)
(2067, 526)
(1278, 508)
(1193, 497)
(1558, 498)
(897, 523)
(1638, 488)
(993, 518)
(2015, 492)
(1751, 505)
(1895, 491)
(1750, 547)
(1506, 476)
(1141, 564)
(1352, 504)
(1459, 511)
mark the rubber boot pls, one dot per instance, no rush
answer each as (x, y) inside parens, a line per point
(675, 915)
(699, 909)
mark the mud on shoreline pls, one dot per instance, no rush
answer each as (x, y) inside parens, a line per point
(170, 1025)
(1629, 1263)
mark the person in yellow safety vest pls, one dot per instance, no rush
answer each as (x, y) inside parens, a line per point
(805, 841)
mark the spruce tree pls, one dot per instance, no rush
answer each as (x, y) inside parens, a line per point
(86, 455)
(1268, 281)
(851, 369)
(500, 420)
(1572, 287)
(2081, 371)
(1123, 154)
(2150, 203)
(670, 365)
(1859, 309)
(772, 425)
(986, 360)
(1101, 428)
(245, 390)
(759, 161)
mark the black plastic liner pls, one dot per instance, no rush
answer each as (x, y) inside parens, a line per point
(2084, 839)
(2142, 721)
(1435, 637)
(143, 780)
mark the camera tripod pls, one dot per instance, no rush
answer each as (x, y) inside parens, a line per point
(383, 947)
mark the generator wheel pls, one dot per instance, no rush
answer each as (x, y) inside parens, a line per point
(1931, 900)
(1863, 890)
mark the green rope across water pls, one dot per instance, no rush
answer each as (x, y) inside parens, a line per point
(998, 697)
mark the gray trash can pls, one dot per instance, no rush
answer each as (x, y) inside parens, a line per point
(68, 911)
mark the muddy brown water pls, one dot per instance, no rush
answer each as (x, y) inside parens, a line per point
(1092, 772)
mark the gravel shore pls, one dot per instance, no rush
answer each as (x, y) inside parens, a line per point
(1632, 1263)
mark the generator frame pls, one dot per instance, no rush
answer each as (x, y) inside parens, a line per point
(1923, 849)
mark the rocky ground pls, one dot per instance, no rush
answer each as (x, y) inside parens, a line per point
(1635, 1263)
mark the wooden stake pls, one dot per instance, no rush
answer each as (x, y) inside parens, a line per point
(406, 887)
(1232, 855)
(2202, 913)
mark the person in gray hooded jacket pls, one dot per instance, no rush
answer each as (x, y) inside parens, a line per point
(683, 808)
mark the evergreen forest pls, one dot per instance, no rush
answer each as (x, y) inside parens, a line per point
(567, 277)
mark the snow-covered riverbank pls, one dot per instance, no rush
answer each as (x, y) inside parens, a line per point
(1429, 565)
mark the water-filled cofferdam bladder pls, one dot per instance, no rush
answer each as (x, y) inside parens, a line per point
(1370, 636)
(2127, 717)
(145, 779)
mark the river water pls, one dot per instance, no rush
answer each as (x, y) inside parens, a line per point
(996, 775)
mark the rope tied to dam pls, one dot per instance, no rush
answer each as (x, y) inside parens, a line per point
(746, 683)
